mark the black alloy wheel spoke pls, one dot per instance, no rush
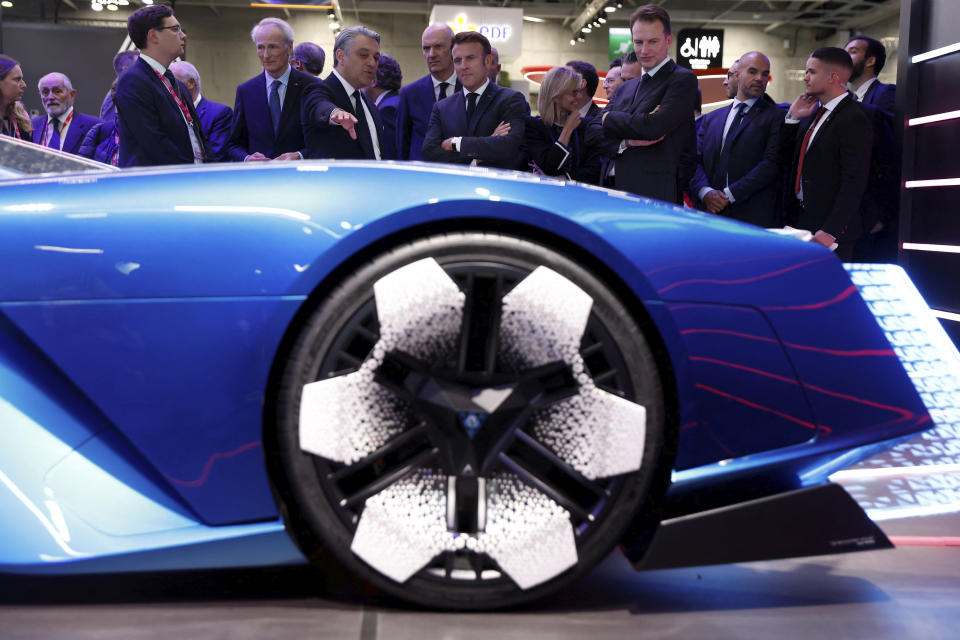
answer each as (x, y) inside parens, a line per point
(480, 330)
(391, 462)
(540, 468)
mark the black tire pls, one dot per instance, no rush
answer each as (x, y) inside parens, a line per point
(341, 333)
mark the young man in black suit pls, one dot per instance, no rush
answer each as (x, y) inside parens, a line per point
(826, 140)
(483, 123)
(339, 119)
(157, 122)
(737, 151)
(266, 113)
(648, 129)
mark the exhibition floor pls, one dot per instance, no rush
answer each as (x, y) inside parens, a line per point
(908, 592)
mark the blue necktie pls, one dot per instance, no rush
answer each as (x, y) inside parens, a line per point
(275, 104)
(55, 136)
(728, 142)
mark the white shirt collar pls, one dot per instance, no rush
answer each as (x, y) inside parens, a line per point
(196, 102)
(862, 89)
(830, 106)
(452, 80)
(653, 71)
(479, 91)
(156, 66)
(349, 88)
(62, 117)
(749, 103)
(284, 79)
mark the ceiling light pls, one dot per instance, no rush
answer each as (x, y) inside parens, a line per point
(580, 38)
(334, 25)
(111, 7)
(533, 19)
(609, 9)
(586, 30)
(6, 4)
(96, 6)
(331, 14)
(147, 1)
(602, 20)
(573, 42)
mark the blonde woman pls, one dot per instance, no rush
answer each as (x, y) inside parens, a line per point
(13, 117)
(555, 140)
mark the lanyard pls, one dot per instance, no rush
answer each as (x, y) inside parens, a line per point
(173, 94)
(15, 128)
(59, 131)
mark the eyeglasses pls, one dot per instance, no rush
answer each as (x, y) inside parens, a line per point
(175, 28)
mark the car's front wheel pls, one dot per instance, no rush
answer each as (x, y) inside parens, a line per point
(469, 421)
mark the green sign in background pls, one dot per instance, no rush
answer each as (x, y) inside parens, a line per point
(620, 42)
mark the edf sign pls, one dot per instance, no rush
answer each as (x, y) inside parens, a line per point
(502, 27)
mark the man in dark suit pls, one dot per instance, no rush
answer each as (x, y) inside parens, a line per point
(63, 127)
(417, 98)
(215, 118)
(340, 121)
(588, 108)
(737, 151)
(266, 113)
(828, 152)
(385, 94)
(483, 123)
(157, 122)
(309, 58)
(869, 55)
(880, 209)
(648, 127)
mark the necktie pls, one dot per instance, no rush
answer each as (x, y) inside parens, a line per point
(275, 104)
(471, 106)
(725, 146)
(363, 128)
(55, 135)
(803, 148)
(443, 90)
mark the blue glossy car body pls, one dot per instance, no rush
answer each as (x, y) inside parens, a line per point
(144, 316)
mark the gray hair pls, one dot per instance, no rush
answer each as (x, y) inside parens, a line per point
(274, 22)
(347, 35)
(186, 69)
(56, 74)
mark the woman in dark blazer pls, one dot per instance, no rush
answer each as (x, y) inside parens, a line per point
(554, 140)
(14, 120)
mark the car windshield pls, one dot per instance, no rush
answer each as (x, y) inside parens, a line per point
(18, 158)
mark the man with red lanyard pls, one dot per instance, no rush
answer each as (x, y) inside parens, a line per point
(62, 128)
(157, 121)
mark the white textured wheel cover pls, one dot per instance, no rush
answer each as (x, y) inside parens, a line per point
(403, 527)
(348, 417)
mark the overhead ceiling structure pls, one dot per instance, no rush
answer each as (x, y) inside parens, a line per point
(830, 15)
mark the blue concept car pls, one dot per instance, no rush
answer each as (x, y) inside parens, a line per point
(465, 386)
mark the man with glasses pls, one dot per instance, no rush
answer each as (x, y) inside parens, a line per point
(157, 123)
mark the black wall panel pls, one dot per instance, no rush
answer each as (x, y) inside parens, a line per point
(931, 215)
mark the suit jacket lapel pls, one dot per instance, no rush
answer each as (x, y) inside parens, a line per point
(458, 121)
(748, 118)
(482, 105)
(830, 116)
(261, 112)
(73, 133)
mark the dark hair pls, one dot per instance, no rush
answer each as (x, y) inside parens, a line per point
(144, 19)
(617, 62)
(311, 55)
(875, 49)
(6, 65)
(472, 36)
(652, 13)
(589, 73)
(388, 73)
(835, 56)
(630, 57)
(124, 59)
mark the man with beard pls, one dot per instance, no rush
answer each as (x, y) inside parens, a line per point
(418, 97)
(737, 150)
(869, 56)
(62, 128)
